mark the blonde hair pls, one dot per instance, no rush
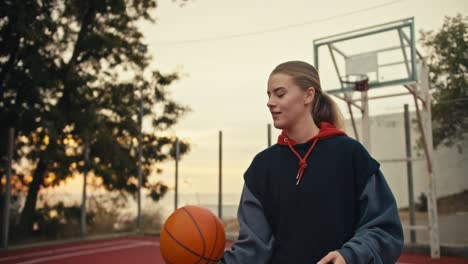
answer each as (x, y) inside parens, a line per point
(324, 109)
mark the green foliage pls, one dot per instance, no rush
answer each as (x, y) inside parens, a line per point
(448, 65)
(55, 221)
(59, 221)
(62, 87)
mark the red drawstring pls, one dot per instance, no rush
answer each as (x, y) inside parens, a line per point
(302, 161)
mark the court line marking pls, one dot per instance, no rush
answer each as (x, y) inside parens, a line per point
(90, 252)
(104, 248)
(65, 249)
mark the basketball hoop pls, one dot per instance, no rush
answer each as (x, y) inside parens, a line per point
(359, 82)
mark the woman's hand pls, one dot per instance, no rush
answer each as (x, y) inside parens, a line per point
(333, 257)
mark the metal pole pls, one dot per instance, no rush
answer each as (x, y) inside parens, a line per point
(83, 198)
(365, 125)
(269, 134)
(6, 204)
(142, 48)
(220, 193)
(140, 178)
(316, 56)
(409, 170)
(414, 65)
(176, 194)
(353, 122)
(425, 127)
(425, 124)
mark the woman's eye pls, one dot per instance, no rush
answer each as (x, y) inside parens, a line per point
(280, 95)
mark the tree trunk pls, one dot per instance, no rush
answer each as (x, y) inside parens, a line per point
(69, 69)
(27, 215)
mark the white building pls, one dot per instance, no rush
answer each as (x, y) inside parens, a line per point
(388, 142)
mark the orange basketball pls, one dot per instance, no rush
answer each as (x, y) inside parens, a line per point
(192, 235)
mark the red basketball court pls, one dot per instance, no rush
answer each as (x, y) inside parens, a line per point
(133, 250)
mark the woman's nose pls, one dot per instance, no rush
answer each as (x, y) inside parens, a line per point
(270, 103)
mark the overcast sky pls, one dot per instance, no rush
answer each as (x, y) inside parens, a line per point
(226, 50)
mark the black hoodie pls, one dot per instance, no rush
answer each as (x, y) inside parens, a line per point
(341, 203)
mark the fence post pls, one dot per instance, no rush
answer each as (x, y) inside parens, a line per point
(176, 195)
(220, 194)
(6, 202)
(269, 134)
(409, 170)
(83, 198)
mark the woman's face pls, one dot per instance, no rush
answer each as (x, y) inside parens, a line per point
(287, 102)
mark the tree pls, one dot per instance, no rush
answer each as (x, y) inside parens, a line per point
(61, 64)
(448, 65)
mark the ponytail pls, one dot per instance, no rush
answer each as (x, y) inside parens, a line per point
(325, 110)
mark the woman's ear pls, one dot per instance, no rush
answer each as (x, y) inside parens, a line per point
(310, 94)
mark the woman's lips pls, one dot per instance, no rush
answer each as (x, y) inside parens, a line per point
(275, 114)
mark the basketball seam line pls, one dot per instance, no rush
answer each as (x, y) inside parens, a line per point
(188, 249)
(199, 231)
(216, 237)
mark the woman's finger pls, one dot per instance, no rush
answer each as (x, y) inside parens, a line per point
(330, 257)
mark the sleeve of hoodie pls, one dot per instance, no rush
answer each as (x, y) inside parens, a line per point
(379, 235)
(255, 241)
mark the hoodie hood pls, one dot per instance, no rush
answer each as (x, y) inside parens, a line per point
(326, 130)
